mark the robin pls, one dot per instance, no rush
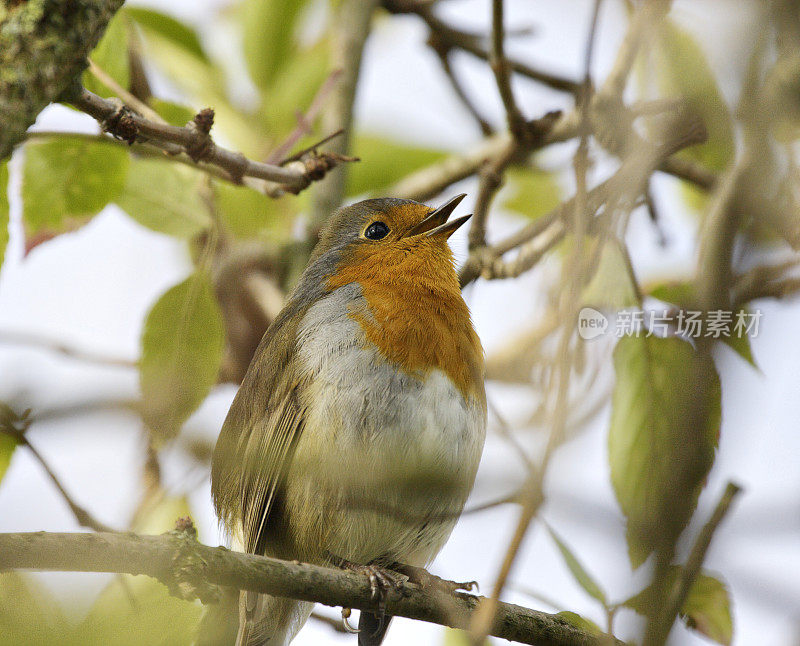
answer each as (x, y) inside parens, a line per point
(357, 431)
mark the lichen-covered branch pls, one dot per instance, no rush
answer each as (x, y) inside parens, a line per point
(43, 48)
(187, 566)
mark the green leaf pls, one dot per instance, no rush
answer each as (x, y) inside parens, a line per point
(611, 285)
(168, 27)
(665, 416)
(111, 55)
(534, 192)
(205, 85)
(67, 180)
(294, 88)
(578, 571)
(173, 113)
(7, 446)
(269, 37)
(163, 196)
(138, 610)
(682, 294)
(29, 616)
(684, 71)
(248, 213)
(4, 211)
(182, 345)
(384, 163)
(160, 516)
(455, 637)
(707, 608)
(678, 292)
(580, 622)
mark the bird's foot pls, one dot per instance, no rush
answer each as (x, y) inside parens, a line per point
(427, 581)
(381, 580)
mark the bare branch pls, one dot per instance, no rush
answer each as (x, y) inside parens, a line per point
(502, 74)
(196, 142)
(469, 43)
(182, 563)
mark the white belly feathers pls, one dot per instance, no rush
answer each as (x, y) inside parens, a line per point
(394, 456)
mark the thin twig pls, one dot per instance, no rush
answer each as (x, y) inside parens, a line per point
(502, 74)
(661, 623)
(471, 44)
(443, 52)
(140, 106)
(641, 25)
(84, 518)
(37, 341)
(305, 121)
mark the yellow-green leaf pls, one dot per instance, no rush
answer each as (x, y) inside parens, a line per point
(580, 622)
(611, 286)
(665, 416)
(29, 616)
(684, 71)
(160, 516)
(135, 610)
(111, 55)
(533, 192)
(247, 213)
(168, 27)
(682, 294)
(269, 37)
(580, 574)
(67, 180)
(294, 87)
(173, 113)
(205, 85)
(163, 196)
(707, 608)
(182, 347)
(7, 446)
(455, 637)
(384, 162)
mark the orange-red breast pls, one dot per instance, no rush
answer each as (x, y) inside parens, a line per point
(357, 431)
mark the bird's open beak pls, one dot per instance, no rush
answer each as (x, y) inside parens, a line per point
(436, 222)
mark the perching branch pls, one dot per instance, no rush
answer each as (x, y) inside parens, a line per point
(184, 565)
(43, 49)
(195, 141)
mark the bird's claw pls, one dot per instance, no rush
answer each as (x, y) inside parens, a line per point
(428, 581)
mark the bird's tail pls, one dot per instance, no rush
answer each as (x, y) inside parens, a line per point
(372, 628)
(269, 621)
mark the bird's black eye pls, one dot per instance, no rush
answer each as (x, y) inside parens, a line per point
(376, 231)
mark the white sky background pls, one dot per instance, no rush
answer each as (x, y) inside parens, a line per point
(91, 289)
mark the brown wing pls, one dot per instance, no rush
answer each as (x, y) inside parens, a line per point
(267, 455)
(258, 437)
